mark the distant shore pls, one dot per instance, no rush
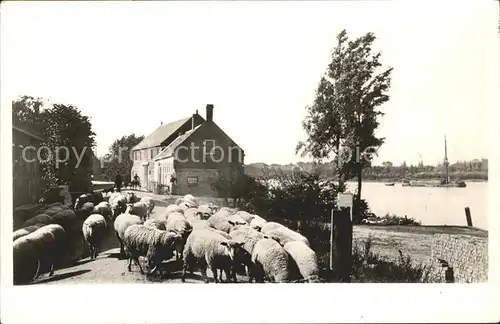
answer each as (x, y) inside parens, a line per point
(399, 181)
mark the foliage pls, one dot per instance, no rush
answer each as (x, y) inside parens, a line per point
(117, 160)
(392, 220)
(465, 170)
(245, 191)
(61, 126)
(370, 267)
(304, 196)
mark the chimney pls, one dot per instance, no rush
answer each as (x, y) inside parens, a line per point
(210, 112)
(192, 121)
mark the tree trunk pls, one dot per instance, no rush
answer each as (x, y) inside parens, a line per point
(357, 210)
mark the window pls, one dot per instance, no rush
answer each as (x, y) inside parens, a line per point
(192, 181)
(151, 151)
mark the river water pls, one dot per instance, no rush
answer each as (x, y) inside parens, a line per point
(431, 206)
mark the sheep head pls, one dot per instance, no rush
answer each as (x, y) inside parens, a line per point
(234, 249)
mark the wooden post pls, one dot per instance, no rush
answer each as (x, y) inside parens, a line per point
(468, 216)
(343, 238)
(332, 239)
(343, 243)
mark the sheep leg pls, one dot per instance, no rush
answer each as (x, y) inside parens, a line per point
(122, 250)
(214, 270)
(37, 273)
(184, 268)
(139, 264)
(203, 271)
(129, 264)
(230, 274)
(51, 273)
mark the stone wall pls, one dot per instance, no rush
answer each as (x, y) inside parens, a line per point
(467, 255)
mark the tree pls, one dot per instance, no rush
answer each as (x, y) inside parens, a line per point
(63, 127)
(118, 160)
(344, 114)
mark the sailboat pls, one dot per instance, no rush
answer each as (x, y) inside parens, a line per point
(444, 182)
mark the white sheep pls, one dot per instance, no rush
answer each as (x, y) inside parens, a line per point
(155, 224)
(104, 209)
(200, 224)
(192, 214)
(25, 231)
(122, 222)
(185, 206)
(246, 234)
(94, 231)
(139, 209)
(269, 226)
(285, 235)
(223, 221)
(247, 217)
(210, 249)
(228, 210)
(169, 210)
(257, 222)
(154, 244)
(190, 200)
(131, 197)
(305, 258)
(150, 204)
(118, 203)
(82, 199)
(272, 262)
(204, 211)
(220, 233)
(249, 237)
(43, 246)
(176, 222)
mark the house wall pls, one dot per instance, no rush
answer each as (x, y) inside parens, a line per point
(27, 182)
(194, 162)
(139, 157)
(227, 153)
(203, 187)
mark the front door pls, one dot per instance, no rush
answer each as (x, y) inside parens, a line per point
(144, 182)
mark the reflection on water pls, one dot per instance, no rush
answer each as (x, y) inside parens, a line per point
(431, 206)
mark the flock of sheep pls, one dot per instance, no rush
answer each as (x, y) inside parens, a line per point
(199, 236)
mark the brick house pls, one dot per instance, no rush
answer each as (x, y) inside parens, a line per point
(187, 156)
(27, 179)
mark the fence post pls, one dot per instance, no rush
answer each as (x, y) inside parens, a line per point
(468, 216)
(343, 238)
(332, 238)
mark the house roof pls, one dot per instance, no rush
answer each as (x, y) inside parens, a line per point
(30, 131)
(169, 150)
(160, 134)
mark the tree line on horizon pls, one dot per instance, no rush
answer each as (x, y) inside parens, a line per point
(476, 169)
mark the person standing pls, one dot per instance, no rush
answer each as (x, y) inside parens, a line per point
(118, 182)
(136, 181)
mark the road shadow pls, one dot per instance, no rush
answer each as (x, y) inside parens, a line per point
(62, 276)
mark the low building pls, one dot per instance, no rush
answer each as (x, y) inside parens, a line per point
(187, 156)
(26, 175)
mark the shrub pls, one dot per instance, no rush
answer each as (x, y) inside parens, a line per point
(370, 267)
(392, 220)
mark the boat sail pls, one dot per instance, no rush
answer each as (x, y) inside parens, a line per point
(445, 182)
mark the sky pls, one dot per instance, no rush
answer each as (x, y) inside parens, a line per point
(132, 65)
